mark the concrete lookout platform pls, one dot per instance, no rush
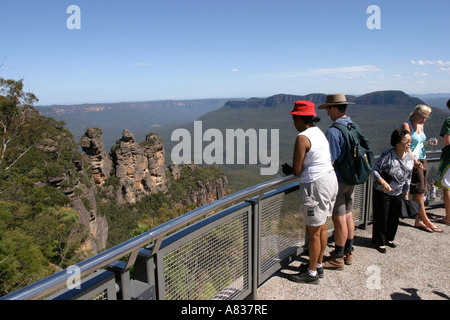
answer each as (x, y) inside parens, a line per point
(417, 269)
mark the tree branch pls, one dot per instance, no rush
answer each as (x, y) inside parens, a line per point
(20, 156)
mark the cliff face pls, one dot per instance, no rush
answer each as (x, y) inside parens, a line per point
(201, 191)
(80, 188)
(86, 205)
(207, 192)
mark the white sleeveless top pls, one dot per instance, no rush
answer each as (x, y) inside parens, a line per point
(317, 160)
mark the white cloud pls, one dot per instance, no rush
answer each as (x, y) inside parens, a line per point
(235, 70)
(142, 64)
(363, 68)
(447, 70)
(441, 66)
(352, 77)
(437, 63)
(319, 72)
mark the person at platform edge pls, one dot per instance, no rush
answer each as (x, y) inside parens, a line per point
(318, 186)
(344, 225)
(415, 125)
(443, 174)
(392, 178)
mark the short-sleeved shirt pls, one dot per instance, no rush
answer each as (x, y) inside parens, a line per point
(338, 145)
(445, 130)
(445, 127)
(445, 156)
(398, 172)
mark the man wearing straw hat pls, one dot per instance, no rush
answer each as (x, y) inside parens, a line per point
(344, 226)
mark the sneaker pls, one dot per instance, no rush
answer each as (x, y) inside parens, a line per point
(304, 277)
(348, 257)
(304, 267)
(333, 262)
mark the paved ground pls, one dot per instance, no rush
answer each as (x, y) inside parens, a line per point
(417, 269)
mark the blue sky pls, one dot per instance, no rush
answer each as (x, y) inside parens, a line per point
(141, 50)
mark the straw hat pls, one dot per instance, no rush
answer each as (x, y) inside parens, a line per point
(334, 100)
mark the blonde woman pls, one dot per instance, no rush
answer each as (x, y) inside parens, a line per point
(415, 126)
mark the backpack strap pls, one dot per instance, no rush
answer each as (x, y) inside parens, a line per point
(345, 130)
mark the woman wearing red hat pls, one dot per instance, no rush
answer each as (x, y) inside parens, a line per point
(318, 186)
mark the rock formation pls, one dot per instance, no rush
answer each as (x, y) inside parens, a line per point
(139, 168)
(92, 144)
(154, 151)
(130, 172)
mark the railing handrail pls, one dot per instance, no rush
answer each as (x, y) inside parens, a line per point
(45, 286)
(427, 152)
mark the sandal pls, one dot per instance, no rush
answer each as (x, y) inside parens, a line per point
(438, 230)
(424, 228)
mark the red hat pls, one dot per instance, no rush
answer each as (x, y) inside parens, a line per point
(303, 108)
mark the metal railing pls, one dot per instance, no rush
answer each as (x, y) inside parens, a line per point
(203, 254)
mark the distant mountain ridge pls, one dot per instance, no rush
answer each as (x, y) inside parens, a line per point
(275, 100)
(140, 117)
(378, 114)
(51, 110)
(389, 97)
(438, 100)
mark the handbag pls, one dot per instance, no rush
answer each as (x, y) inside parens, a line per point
(408, 208)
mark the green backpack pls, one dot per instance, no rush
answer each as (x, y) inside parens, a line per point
(357, 164)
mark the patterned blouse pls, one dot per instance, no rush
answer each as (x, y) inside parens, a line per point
(396, 171)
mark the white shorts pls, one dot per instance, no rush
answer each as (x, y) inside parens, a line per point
(318, 198)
